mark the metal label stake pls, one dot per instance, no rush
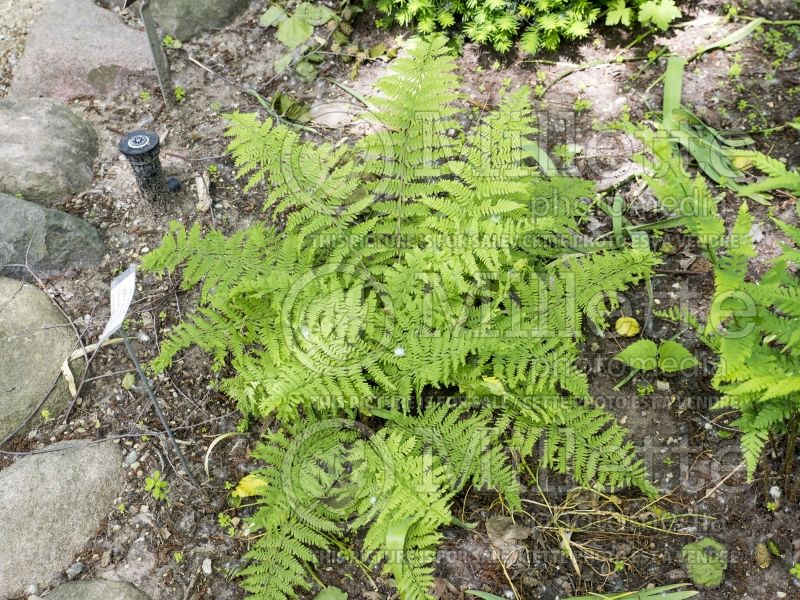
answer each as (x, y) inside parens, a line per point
(156, 404)
(122, 290)
(159, 58)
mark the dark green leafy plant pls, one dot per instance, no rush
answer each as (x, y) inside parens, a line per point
(422, 263)
(540, 24)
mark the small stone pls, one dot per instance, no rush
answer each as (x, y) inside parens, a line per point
(32, 589)
(186, 524)
(780, 594)
(174, 185)
(207, 566)
(105, 560)
(662, 386)
(132, 457)
(75, 570)
(775, 492)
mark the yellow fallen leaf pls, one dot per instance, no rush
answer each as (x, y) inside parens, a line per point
(249, 486)
(627, 326)
(494, 385)
(742, 162)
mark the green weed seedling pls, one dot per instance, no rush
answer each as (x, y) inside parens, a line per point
(668, 356)
(158, 487)
(180, 93)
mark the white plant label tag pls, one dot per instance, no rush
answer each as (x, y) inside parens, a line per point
(122, 290)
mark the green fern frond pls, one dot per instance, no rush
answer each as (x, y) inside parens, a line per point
(422, 259)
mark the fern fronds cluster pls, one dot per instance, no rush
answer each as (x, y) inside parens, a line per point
(422, 261)
(753, 326)
(540, 25)
(394, 484)
(684, 196)
(445, 261)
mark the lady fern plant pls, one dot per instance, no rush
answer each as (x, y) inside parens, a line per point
(753, 326)
(424, 261)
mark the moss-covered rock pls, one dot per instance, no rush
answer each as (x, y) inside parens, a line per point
(47, 151)
(186, 18)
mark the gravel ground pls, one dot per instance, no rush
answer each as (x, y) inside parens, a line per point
(16, 17)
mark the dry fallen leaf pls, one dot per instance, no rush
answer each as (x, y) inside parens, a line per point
(202, 183)
(249, 486)
(627, 326)
(505, 536)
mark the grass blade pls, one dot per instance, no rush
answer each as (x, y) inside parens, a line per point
(736, 36)
(673, 88)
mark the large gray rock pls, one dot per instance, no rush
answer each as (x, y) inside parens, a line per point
(52, 505)
(75, 48)
(47, 151)
(185, 18)
(97, 590)
(35, 340)
(52, 242)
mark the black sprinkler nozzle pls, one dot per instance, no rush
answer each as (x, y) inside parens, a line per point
(142, 148)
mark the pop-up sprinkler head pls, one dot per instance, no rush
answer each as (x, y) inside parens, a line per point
(141, 148)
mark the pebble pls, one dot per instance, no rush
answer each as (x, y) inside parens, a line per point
(207, 566)
(75, 570)
(132, 457)
(775, 493)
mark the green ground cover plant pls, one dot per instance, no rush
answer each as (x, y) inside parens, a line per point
(540, 25)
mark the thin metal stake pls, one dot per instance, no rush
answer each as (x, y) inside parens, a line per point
(156, 405)
(159, 58)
